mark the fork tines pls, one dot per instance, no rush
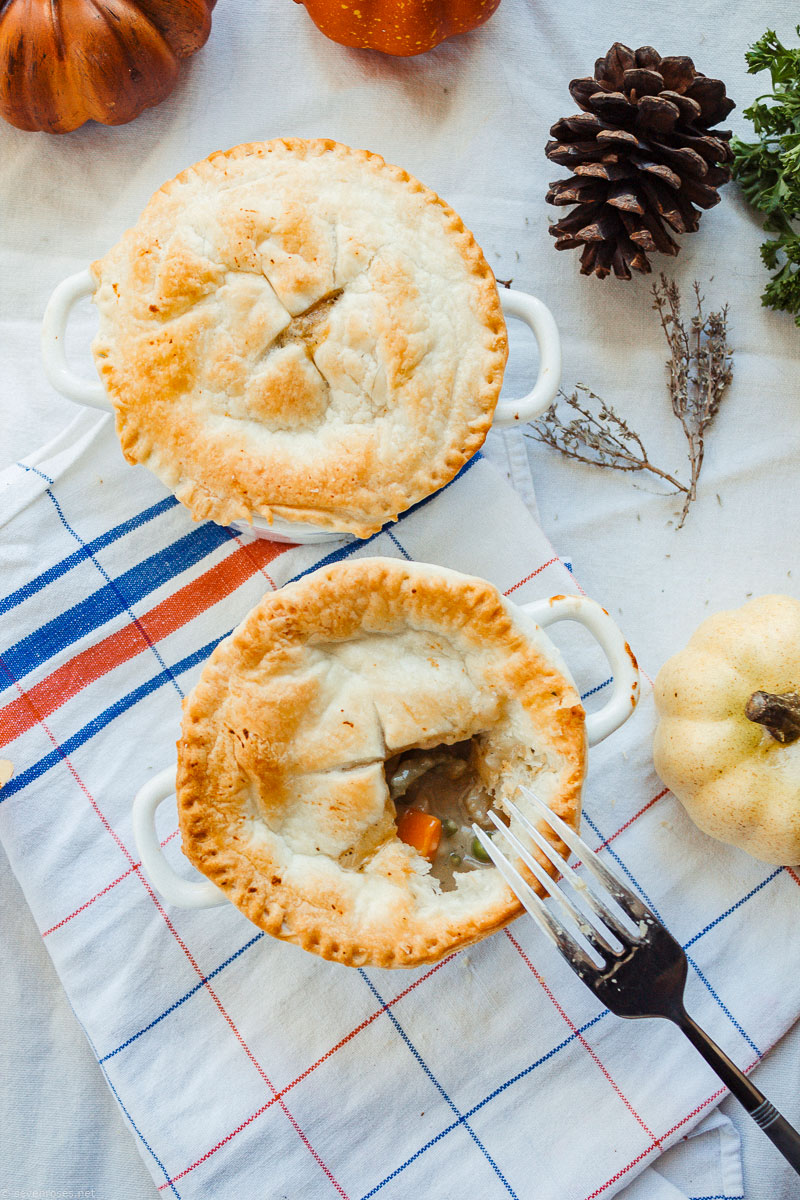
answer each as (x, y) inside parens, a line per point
(611, 934)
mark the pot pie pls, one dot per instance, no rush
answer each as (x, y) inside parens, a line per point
(296, 328)
(369, 695)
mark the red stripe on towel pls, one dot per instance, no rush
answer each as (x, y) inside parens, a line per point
(103, 891)
(532, 575)
(167, 617)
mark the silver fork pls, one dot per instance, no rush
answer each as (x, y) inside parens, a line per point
(636, 968)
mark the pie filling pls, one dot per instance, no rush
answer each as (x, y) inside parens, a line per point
(443, 783)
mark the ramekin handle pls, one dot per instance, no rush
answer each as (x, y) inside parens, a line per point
(540, 321)
(624, 669)
(89, 392)
(186, 893)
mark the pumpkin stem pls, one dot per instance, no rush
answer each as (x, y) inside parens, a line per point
(779, 714)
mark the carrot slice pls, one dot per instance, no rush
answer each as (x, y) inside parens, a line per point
(420, 830)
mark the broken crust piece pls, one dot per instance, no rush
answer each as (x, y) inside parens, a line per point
(298, 329)
(282, 795)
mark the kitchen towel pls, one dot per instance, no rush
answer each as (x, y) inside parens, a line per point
(245, 1066)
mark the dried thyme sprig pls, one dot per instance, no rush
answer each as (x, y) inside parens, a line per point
(602, 439)
(700, 367)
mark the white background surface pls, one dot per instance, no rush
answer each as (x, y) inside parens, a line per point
(469, 119)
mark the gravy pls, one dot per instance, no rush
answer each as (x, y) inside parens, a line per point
(442, 781)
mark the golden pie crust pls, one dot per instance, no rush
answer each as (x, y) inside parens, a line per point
(282, 797)
(296, 328)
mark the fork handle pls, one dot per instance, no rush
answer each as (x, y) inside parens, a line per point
(783, 1135)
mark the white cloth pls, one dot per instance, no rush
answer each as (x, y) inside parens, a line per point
(470, 119)
(236, 1058)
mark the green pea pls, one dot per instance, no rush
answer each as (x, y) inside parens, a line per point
(455, 859)
(449, 827)
(479, 852)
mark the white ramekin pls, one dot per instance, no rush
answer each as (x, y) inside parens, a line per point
(533, 617)
(92, 393)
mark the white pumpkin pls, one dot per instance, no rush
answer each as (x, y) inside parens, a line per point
(732, 757)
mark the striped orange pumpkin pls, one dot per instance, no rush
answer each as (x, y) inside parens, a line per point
(64, 62)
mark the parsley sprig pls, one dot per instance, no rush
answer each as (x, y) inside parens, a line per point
(769, 170)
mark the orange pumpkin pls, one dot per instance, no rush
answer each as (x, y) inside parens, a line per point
(401, 27)
(63, 62)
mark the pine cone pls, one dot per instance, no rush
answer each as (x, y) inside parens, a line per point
(642, 158)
